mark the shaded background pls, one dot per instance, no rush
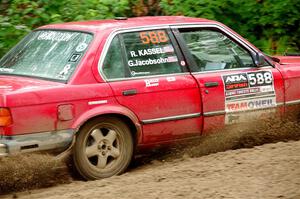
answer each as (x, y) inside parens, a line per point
(271, 25)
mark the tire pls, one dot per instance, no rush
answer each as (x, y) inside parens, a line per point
(103, 148)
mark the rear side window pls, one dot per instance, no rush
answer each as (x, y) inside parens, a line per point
(143, 53)
(150, 53)
(113, 66)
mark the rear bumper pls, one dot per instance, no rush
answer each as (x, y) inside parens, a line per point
(36, 142)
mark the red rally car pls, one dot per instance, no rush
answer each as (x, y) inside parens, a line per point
(109, 87)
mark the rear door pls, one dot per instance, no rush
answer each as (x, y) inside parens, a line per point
(147, 75)
(233, 89)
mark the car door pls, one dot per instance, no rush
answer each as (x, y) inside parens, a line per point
(233, 89)
(147, 75)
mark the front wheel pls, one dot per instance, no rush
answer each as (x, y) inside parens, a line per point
(103, 148)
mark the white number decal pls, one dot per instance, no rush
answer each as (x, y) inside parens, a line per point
(252, 79)
(260, 78)
(268, 78)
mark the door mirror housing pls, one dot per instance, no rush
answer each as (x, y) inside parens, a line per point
(259, 59)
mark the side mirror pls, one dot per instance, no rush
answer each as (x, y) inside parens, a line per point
(259, 59)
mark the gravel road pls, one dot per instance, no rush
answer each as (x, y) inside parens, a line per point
(267, 171)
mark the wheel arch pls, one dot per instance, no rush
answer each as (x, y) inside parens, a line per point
(122, 113)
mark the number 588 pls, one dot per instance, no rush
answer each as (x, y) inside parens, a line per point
(154, 37)
(260, 78)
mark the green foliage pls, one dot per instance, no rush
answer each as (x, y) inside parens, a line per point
(18, 17)
(10, 34)
(273, 26)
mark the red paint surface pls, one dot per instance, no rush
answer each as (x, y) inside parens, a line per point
(34, 103)
(168, 99)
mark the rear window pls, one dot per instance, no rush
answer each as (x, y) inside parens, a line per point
(49, 54)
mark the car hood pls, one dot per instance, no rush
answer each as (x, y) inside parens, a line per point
(287, 60)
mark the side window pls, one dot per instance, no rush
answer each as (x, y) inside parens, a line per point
(113, 66)
(150, 53)
(212, 50)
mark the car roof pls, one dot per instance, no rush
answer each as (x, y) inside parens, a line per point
(100, 25)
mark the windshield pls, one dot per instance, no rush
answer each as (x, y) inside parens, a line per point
(46, 54)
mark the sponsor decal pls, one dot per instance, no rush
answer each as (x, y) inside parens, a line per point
(251, 104)
(134, 73)
(74, 57)
(171, 79)
(172, 59)
(249, 91)
(97, 102)
(151, 82)
(65, 71)
(182, 63)
(81, 47)
(250, 116)
(242, 91)
(7, 70)
(168, 49)
(235, 81)
(55, 36)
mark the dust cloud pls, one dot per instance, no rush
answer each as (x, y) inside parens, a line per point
(247, 135)
(30, 171)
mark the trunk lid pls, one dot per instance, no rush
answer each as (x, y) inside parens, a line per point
(9, 84)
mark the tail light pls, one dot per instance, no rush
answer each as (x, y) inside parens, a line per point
(5, 117)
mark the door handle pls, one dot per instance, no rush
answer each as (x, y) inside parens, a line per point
(129, 92)
(211, 84)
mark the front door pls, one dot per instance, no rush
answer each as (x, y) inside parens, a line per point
(147, 75)
(233, 89)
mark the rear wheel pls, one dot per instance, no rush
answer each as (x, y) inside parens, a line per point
(103, 148)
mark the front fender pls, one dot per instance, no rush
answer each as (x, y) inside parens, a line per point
(108, 109)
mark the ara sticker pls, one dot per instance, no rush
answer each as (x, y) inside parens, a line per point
(81, 47)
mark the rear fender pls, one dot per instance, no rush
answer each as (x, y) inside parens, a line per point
(109, 109)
